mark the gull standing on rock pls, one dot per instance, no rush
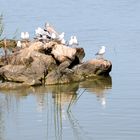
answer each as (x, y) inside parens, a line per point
(63, 41)
(19, 44)
(50, 29)
(73, 41)
(61, 36)
(39, 32)
(53, 36)
(27, 35)
(101, 52)
(42, 34)
(24, 35)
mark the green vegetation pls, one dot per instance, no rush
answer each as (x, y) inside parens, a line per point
(1, 25)
(4, 42)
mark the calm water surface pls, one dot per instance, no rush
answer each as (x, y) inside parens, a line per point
(99, 109)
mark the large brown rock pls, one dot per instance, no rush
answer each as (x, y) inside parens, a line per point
(93, 67)
(28, 65)
(49, 63)
(21, 74)
(80, 72)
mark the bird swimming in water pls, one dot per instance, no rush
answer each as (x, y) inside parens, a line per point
(101, 52)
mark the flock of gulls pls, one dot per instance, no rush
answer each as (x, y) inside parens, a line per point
(48, 33)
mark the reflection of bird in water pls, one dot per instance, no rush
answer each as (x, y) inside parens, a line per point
(103, 101)
(101, 52)
(99, 86)
(101, 98)
(63, 114)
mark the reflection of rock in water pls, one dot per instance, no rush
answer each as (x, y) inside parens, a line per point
(56, 101)
(2, 121)
(99, 86)
(64, 93)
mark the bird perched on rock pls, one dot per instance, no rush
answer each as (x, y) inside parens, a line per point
(50, 29)
(101, 52)
(61, 36)
(27, 35)
(53, 36)
(41, 34)
(73, 41)
(63, 41)
(19, 44)
(24, 35)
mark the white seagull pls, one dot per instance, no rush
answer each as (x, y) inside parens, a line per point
(24, 35)
(39, 31)
(73, 41)
(101, 52)
(50, 29)
(63, 41)
(19, 44)
(61, 36)
(42, 34)
(53, 36)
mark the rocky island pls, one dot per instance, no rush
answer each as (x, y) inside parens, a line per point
(47, 59)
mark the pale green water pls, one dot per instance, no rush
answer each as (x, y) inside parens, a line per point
(105, 109)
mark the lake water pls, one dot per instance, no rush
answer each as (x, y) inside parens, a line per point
(96, 109)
